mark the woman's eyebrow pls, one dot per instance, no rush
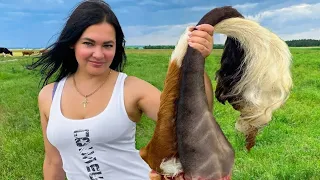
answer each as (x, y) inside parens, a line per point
(109, 42)
(91, 40)
(88, 39)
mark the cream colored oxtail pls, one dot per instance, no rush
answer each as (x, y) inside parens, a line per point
(266, 79)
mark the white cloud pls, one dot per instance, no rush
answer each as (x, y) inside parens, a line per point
(245, 6)
(55, 1)
(169, 34)
(219, 38)
(301, 11)
(121, 10)
(237, 6)
(187, 9)
(48, 14)
(202, 8)
(151, 2)
(114, 1)
(309, 34)
(48, 1)
(18, 13)
(293, 22)
(2, 19)
(30, 5)
(160, 35)
(3, 5)
(53, 22)
(179, 1)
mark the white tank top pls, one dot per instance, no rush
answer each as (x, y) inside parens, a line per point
(100, 147)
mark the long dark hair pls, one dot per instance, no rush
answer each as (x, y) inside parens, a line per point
(60, 58)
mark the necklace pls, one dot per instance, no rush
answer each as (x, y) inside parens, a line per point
(85, 101)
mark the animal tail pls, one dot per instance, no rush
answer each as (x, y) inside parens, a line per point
(161, 151)
(254, 77)
(255, 74)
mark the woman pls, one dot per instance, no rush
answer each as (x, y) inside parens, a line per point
(89, 115)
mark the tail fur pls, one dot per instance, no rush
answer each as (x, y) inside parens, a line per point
(259, 80)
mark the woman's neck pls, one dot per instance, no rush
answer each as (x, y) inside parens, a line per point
(89, 79)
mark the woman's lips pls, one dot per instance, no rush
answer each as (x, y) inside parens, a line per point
(96, 63)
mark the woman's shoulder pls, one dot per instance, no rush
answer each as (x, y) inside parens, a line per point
(133, 81)
(45, 94)
(45, 98)
(47, 90)
(139, 86)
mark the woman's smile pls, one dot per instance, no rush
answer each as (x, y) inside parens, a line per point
(96, 63)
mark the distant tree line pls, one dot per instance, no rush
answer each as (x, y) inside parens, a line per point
(291, 43)
(159, 47)
(215, 46)
(303, 43)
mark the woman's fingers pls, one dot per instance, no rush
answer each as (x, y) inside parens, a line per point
(207, 28)
(154, 176)
(201, 38)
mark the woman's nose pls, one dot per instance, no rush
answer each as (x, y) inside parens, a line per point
(97, 53)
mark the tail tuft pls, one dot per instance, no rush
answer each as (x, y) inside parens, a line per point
(255, 75)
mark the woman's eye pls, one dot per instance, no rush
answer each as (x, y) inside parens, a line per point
(88, 43)
(108, 45)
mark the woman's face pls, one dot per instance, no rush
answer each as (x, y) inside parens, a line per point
(96, 49)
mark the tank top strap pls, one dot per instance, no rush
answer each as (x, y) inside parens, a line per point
(54, 88)
(121, 79)
(119, 97)
(119, 87)
(57, 96)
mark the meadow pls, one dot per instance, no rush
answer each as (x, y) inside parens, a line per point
(288, 148)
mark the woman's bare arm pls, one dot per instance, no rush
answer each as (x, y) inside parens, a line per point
(52, 166)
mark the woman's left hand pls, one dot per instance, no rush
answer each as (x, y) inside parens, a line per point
(201, 38)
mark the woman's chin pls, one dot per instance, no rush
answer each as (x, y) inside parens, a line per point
(97, 71)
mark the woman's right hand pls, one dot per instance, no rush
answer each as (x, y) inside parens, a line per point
(155, 176)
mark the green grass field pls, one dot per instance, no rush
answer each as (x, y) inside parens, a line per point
(288, 148)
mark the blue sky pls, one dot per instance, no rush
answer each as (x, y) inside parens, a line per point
(36, 23)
